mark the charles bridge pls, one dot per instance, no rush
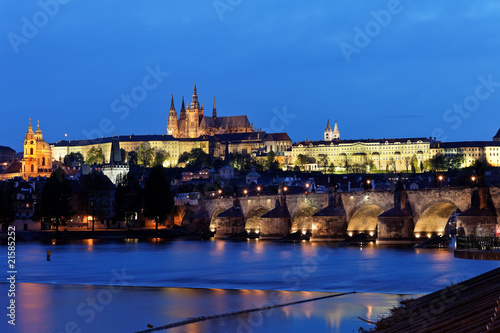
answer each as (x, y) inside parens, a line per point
(390, 216)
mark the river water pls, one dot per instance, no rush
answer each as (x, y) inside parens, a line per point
(121, 286)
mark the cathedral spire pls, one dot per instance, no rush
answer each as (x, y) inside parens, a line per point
(328, 127)
(194, 103)
(214, 110)
(336, 133)
(172, 107)
(183, 110)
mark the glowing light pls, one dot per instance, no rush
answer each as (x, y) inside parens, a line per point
(212, 230)
(257, 231)
(303, 231)
(429, 235)
(245, 191)
(285, 189)
(258, 188)
(352, 197)
(350, 234)
(371, 234)
(417, 235)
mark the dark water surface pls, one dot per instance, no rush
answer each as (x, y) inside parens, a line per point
(104, 286)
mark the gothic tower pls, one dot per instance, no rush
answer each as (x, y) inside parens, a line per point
(172, 127)
(336, 133)
(328, 132)
(194, 115)
(214, 111)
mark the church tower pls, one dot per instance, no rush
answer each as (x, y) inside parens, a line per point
(336, 133)
(172, 127)
(214, 111)
(193, 116)
(37, 158)
(328, 132)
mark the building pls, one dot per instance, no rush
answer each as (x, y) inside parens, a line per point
(116, 168)
(379, 154)
(330, 135)
(174, 147)
(484, 151)
(192, 122)
(7, 154)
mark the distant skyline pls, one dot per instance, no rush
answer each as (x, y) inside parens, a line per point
(381, 69)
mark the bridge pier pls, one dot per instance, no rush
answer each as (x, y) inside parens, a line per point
(395, 226)
(481, 218)
(330, 223)
(277, 223)
(230, 222)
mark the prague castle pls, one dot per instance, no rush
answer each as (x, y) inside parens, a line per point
(192, 122)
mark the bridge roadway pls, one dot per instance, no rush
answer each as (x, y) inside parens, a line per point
(406, 215)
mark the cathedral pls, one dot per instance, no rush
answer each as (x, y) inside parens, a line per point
(192, 122)
(37, 159)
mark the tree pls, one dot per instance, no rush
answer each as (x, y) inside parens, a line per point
(301, 160)
(455, 161)
(7, 211)
(271, 156)
(407, 160)
(160, 157)
(98, 190)
(127, 198)
(56, 195)
(132, 158)
(438, 163)
(145, 154)
(196, 158)
(323, 161)
(158, 202)
(73, 157)
(242, 162)
(95, 156)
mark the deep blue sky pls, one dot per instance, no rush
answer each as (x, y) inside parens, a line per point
(255, 56)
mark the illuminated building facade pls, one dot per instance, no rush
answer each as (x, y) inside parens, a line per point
(37, 159)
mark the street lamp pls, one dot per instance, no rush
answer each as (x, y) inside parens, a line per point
(285, 189)
(258, 190)
(245, 192)
(440, 178)
(220, 192)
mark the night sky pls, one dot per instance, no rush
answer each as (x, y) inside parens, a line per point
(382, 69)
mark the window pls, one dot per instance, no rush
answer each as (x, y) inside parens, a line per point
(32, 168)
(31, 151)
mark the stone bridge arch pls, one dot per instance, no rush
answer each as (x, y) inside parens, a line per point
(213, 217)
(364, 219)
(432, 208)
(434, 218)
(252, 218)
(303, 218)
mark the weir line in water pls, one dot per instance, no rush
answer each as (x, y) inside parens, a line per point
(203, 318)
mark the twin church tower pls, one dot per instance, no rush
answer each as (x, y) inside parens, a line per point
(193, 123)
(332, 135)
